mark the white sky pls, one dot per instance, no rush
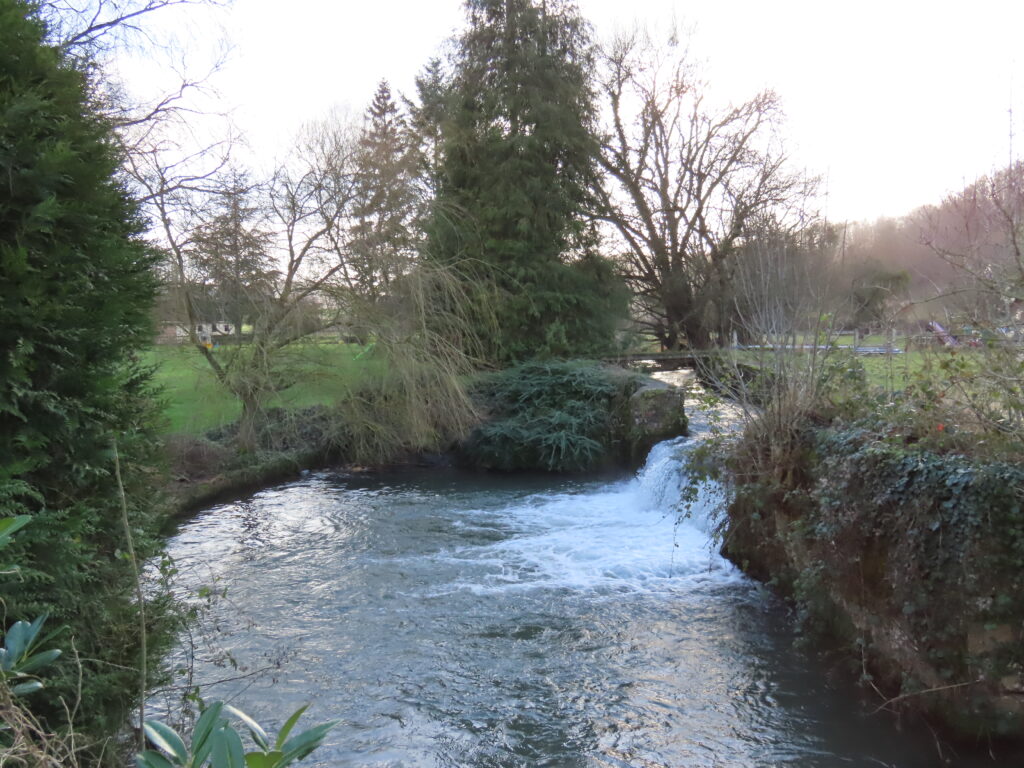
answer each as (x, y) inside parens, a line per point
(893, 103)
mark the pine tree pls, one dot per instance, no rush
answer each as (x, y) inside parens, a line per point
(427, 117)
(386, 203)
(518, 157)
(75, 295)
(231, 252)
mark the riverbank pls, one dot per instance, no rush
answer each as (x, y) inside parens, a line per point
(572, 416)
(905, 559)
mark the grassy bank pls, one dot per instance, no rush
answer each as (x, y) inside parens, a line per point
(343, 403)
(202, 470)
(195, 402)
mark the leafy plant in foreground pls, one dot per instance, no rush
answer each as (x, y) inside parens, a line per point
(20, 656)
(216, 743)
(8, 527)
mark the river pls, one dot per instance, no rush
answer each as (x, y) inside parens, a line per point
(456, 619)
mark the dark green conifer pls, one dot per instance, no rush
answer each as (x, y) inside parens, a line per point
(518, 157)
(75, 296)
(386, 200)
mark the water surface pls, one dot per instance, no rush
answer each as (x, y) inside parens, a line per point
(452, 619)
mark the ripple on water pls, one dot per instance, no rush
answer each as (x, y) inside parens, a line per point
(454, 620)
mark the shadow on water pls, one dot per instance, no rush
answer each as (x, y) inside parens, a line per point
(453, 619)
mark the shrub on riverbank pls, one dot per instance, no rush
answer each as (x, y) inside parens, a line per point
(914, 558)
(556, 416)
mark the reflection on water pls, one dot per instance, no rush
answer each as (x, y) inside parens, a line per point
(466, 620)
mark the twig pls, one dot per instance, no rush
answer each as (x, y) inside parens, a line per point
(903, 696)
(139, 596)
(232, 679)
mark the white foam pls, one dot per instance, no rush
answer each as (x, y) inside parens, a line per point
(621, 536)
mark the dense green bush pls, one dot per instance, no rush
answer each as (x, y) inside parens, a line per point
(553, 416)
(75, 294)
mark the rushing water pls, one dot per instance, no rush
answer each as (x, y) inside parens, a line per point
(451, 619)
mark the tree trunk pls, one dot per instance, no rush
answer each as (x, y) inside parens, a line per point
(698, 335)
(246, 439)
(668, 338)
(685, 322)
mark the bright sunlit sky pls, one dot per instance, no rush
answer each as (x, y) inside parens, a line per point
(893, 104)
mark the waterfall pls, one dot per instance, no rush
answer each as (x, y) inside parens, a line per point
(623, 536)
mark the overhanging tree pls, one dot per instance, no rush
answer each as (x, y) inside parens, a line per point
(307, 208)
(329, 281)
(517, 160)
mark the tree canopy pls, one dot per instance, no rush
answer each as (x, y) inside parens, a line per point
(685, 187)
(518, 156)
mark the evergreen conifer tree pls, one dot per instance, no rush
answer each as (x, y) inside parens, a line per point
(518, 157)
(231, 252)
(75, 296)
(386, 202)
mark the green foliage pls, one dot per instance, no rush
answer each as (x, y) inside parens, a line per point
(554, 416)
(75, 295)
(942, 535)
(517, 158)
(8, 527)
(217, 744)
(21, 657)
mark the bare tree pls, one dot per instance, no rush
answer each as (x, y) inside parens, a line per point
(98, 32)
(306, 219)
(783, 279)
(683, 181)
(980, 232)
(301, 220)
(91, 26)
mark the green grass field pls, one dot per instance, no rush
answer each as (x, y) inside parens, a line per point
(891, 372)
(894, 372)
(195, 402)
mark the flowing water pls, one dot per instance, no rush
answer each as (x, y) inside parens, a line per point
(452, 619)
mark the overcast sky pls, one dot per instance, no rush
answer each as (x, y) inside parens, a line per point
(893, 103)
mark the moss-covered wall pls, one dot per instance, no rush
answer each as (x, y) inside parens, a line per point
(914, 559)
